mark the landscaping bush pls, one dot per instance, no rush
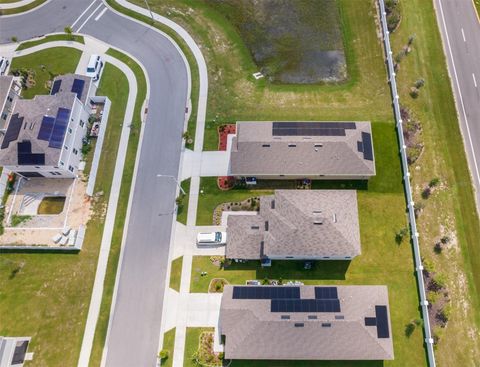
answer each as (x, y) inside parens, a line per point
(163, 354)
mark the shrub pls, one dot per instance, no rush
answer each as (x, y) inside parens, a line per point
(409, 329)
(393, 19)
(445, 240)
(410, 39)
(400, 235)
(14, 39)
(221, 356)
(414, 92)
(434, 182)
(163, 354)
(419, 83)
(427, 191)
(438, 248)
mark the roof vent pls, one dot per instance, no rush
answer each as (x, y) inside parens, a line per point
(326, 324)
(339, 317)
(319, 145)
(285, 317)
(266, 145)
(292, 145)
(272, 204)
(318, 221)
(299, 324)
(312, 317)
(334, 218)
(255, 227)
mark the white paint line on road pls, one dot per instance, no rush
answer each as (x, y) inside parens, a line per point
(474, 80)
(100, 15)
(88, 18)
(463, 35)
(459, 92)
(81, 15)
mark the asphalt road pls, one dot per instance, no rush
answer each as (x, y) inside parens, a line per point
(460, 30)
(134, 335)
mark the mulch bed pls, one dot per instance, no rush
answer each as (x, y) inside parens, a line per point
(225, 182)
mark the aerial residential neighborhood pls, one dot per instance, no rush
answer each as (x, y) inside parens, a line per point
(239, 183)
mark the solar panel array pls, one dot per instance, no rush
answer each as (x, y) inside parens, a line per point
(13, 130)
(56, 87)
(382, 321)
(311, 128)
(59, 128)
(367, 146)
(305, 305)
(77, 87)
(25, 155)
(287, 299)
(326, 293)
(262, 292)
(46, 128)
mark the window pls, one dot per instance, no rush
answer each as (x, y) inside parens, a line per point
(70, 168)
(70, 130)
(82, 124)
(75, 151)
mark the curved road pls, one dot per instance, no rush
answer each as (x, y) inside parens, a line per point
(135, 328)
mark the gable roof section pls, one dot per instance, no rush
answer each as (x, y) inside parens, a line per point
(257, 151)
(252, 331)
(300, 223)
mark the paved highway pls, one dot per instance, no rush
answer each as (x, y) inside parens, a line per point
(460, 30)
(134, 335)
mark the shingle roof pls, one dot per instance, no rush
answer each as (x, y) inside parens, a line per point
(32, 111)
(303, 223)
(5, 84)
(252, 331)
(256, 151)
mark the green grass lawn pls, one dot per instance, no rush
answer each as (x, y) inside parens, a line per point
(21, 9)
(450, 210)
(46, 296)
(56, 61)
(51, 38)
(168, 344)
(176, 273)
(191, 344)
(212, 196)
(102, 323)
(51, 205)
(182, 210)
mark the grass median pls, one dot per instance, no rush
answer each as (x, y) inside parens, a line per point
(109, 283)
(51, 38)
(21, 9)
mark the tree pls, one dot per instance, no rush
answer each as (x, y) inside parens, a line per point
(68, 31)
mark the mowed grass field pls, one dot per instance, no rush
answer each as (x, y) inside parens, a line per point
(451, 209)
(46, 295)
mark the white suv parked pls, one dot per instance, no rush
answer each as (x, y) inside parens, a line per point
(3, 65)
(94, 67)
(211, 239)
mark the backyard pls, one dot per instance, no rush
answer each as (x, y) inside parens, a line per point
(46, 295)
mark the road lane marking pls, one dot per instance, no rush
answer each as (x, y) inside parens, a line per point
(474, 80)
(459, 93)
(81, 15)
(100, 15)
(463, 35)
(88, 18)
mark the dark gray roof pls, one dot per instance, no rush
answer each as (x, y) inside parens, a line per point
(304, 223)
(67, 83)
(252, 331)
(256, 151)
(32, 111)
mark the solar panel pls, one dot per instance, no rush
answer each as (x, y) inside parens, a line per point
(59, 128)
(24, 147)
(370, 321)
(77, 87)
(305, 305)
(326, 293)
(266, 292)
(31, 159)
(367, 147)
(13, 130)
(311, 128)
(55, 87)
(46, 128)
(382, 321)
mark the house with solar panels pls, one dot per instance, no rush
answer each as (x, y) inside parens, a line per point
(302, 150)
(305, 323)
(44, 135)
(297, 225)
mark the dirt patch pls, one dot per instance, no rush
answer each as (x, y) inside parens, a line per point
(291, 41)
